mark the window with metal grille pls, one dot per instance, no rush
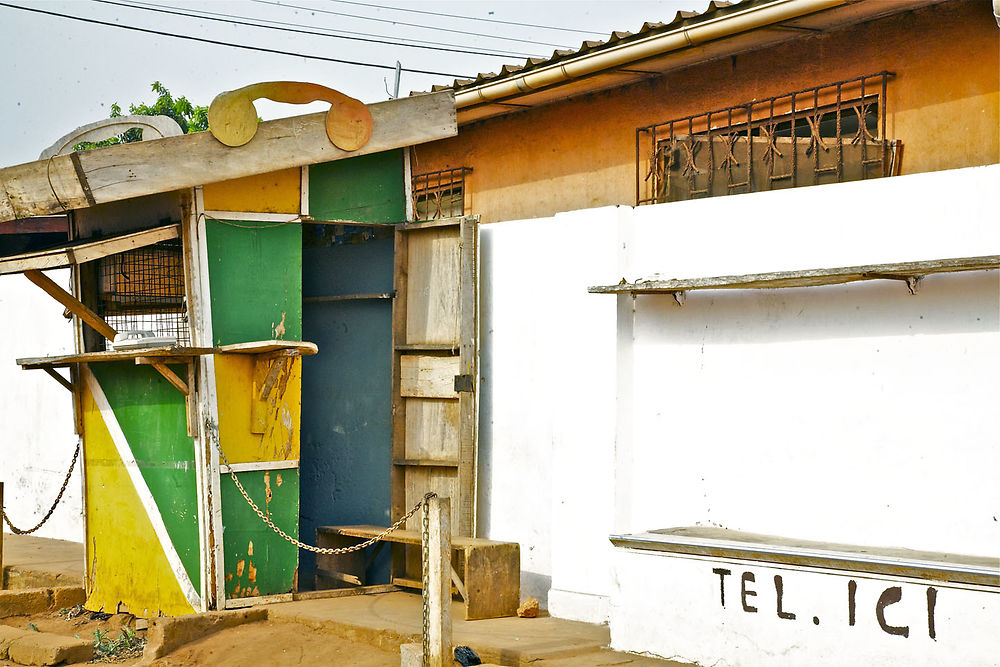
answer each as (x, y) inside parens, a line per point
(439, 194)
(826, 134)
(143, 290)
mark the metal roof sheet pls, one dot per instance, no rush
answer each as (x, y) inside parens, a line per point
(715, 9)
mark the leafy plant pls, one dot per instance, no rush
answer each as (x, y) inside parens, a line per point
(190, 117)
(127, 645)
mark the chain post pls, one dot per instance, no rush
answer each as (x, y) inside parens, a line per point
(436, 545)
(18, 531)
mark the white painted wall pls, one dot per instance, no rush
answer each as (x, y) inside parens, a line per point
(673, 607)
(854, 413)
(546, 405)
(38, 439)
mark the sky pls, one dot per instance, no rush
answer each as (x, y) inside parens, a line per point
(57, 74)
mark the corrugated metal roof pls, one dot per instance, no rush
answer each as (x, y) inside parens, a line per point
(682, 19)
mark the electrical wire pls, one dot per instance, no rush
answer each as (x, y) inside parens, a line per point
(229, 44)
(409, 25)
(470, 18)
(229, 18)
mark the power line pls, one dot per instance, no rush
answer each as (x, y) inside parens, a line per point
(409, 25)
(230, 44)
(470, 18)
(229, 18)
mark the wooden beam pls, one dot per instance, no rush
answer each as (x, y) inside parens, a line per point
(102, 175)
(51, 372)
(86, 252)
(74, 305)
(171, 377)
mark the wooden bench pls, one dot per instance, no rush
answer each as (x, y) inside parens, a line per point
(486, 573)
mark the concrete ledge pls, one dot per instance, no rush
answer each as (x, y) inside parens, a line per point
(7, 637)
(25, 603)
(27, 647)
(45, 648)
(39, 600)
(168, 633)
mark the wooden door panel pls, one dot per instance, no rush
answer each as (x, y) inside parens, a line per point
(435, 368)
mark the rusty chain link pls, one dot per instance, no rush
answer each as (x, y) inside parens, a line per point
(62, 490)
(309, 547)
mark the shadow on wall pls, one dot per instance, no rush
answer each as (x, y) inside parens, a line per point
(943, 304)
(534, 585)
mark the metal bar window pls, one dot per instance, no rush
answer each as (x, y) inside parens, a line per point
(439, 194)
(825, 134)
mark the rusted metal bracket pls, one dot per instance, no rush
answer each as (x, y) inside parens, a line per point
(912, 282)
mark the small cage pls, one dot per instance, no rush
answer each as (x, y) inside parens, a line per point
(143, 290)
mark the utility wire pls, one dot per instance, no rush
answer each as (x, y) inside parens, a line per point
(229, 18)
(409, 25)
(230, 44)
(470, 18)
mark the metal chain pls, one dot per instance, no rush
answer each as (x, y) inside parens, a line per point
(425, 566)
(62, 490)
(309, 547)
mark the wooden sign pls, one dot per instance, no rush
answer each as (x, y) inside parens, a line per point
(232, 117)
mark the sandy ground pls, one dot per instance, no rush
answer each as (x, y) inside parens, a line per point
(282, 644)
(277, 644)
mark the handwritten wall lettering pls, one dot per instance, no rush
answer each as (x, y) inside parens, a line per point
(779, 591)
(748, 576)
(886, 598)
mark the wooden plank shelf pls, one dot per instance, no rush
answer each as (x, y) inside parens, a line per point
(724, 543)
(907, 271)
(349, 297)
(430, 463)
(87, 250)
(172, 354)
(486, 573)
(427, 347)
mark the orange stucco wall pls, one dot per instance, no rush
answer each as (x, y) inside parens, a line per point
(943, 104)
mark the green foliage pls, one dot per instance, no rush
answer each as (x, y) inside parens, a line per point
(127, 645)
(190, 117)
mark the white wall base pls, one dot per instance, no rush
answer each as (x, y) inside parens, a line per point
(579, 606)
(672, 606)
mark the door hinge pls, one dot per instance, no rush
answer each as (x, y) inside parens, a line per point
(464, 383)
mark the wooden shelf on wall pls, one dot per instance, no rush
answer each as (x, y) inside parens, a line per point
(169, 354)
(906, 271)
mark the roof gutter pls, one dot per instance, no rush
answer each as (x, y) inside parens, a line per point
(718, 28)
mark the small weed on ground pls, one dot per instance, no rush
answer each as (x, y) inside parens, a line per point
(127, 645)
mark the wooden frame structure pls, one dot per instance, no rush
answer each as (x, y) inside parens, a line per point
(154, 420)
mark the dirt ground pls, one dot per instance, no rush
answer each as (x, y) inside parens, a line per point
(282, 644)
(279, 644)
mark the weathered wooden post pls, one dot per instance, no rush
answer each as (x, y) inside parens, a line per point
(1, 535)
(437, 593)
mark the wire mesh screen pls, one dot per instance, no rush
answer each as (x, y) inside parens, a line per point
(143, 290)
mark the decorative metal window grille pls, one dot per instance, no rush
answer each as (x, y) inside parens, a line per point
(827, 134)
(439, 194)
(143, 290)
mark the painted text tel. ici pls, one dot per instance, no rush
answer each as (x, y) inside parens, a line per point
(889, 596)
